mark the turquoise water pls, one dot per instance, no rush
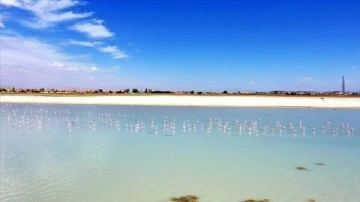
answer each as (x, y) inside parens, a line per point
(118, 153)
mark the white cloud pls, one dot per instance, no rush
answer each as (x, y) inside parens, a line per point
(85, 43)
(114, 51)
(1, 22)
(108, 49)
(32, 51)
(93, 29)
(51, 12)
(43, 64)
(306, 80)
(14, 3)
(47, 12)
(56, 64)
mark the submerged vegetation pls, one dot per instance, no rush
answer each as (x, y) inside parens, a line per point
(302, 168)
(252, 200)
(306, 169)
(188, 198)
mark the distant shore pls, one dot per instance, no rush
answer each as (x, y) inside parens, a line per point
(189, 100)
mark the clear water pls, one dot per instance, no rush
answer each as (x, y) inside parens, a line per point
(117, 153)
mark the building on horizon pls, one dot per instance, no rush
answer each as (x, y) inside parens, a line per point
(343, 85)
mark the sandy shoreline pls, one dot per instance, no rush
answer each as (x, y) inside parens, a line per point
(184, 100)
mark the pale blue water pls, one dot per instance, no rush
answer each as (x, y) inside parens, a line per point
(117, 153)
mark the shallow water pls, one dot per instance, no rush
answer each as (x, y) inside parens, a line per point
(118, 153)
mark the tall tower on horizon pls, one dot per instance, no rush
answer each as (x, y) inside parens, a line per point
(343, 84)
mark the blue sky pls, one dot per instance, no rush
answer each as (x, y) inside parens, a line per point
(202, 45)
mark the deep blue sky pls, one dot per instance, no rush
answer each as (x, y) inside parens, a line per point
(181, 45)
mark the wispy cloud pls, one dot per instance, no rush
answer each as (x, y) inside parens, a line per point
(37, 55)
(306, 80)
(4, 16)
(43, 64)
(34, 53)
(114, 51)
(1, 22)
(56, 64)
(15, 3)
(47, 64)
(85, 43)
(47, 12)
(50, 12)
(93, 29)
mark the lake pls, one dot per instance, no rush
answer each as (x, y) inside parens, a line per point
(141, 154)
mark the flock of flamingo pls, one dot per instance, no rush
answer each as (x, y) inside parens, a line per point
(34, 119)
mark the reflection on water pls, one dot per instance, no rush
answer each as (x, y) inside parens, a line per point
(117, 153)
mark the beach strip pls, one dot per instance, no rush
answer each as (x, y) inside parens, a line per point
(190, 100)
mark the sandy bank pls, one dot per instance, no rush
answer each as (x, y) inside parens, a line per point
(204, 101)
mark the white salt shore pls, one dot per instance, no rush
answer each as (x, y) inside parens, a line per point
(184, 100)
